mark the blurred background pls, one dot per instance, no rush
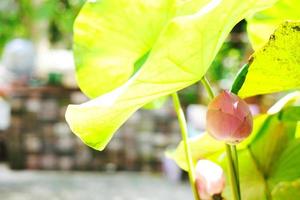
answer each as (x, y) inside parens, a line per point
(41, 158)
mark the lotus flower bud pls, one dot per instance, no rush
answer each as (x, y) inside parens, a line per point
(210, 179)
(228, 118)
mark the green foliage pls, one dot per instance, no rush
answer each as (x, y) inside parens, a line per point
(10, 24)
(106, 55)
(129, 53)
(262, 24)
(270, 156)
(276, 66)
(19, 18)
(273, 147)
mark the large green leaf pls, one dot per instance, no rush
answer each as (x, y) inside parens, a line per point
(181, 55)
(111, 37)
(262, 24)
(276, 67)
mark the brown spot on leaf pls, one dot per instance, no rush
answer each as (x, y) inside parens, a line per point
(250, 60)
(296, 28)
(272, 37)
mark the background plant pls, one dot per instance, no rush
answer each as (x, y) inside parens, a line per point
(20, 18)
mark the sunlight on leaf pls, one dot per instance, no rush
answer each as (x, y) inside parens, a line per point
(180, 56)
(297, 134)
(275, 67)
(110, 36)
(262, 24)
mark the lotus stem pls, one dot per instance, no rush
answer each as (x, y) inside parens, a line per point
(188, 154)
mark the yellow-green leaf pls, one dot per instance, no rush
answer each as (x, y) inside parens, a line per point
(275, 67)
(111, 36)
(262, 24)
(179, 57)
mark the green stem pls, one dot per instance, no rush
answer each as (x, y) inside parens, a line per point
(232, 174)
(236, 166)
(188, 154)
(231, 152)
(239, 80)
(207, 87)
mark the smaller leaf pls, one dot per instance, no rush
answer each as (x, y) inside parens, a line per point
(201, 147)
(239, 79)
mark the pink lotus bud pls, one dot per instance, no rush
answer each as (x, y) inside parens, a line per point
(210, 179)
(228, 118)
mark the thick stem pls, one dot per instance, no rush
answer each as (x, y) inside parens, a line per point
(188, 154)
(236, 166)
(232, 174)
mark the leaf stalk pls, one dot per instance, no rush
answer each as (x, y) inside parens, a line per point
(188, 153)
